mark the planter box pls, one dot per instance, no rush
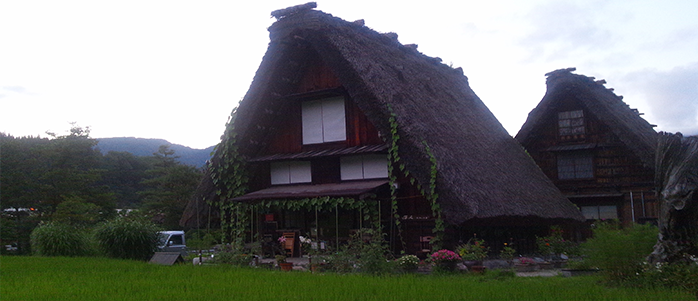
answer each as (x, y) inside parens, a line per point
(574, 272)
(286, 266)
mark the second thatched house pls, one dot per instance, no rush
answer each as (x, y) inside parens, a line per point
(594, 147)
(342, 122)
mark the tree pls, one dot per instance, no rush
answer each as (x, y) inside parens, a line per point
(170, 186)
(676, 177)
(123, 173)
(73, 174)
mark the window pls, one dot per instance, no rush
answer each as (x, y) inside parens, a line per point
(374, 166)
(600, 212)
(323, 120)
(575, 166)
(290, 172)
(571, 123)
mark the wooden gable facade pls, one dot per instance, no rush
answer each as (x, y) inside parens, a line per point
(597, 150)
(327, 161)
(318, 121)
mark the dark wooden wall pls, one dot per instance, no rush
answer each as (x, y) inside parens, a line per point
(616, 168)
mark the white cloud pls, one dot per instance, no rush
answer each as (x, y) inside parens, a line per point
(672, 97)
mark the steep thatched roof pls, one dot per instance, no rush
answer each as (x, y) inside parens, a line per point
(483, 172)
(625, 123)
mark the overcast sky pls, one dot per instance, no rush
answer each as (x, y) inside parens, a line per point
(176, 69)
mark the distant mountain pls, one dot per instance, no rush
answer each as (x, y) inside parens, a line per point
(146, 147)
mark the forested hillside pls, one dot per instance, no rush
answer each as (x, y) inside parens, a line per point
(146, 147)
(66, 179)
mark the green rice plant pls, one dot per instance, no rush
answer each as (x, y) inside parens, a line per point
(127, 238)
(58, 239)
(619, 253)
(64, 278)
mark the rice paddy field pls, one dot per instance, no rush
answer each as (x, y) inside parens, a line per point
(91, 278)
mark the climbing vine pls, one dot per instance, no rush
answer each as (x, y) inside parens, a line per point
(432, 197)
(368, 207)
(393, 159)
(228, 175)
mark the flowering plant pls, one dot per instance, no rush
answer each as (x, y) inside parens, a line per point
(408, 260)
(526, 260)
(445, 256)
(474, 249)
(555, 243)
(307, 245)
(282, 239)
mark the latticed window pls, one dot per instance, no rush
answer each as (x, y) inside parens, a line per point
(575, 166)
(571, 123)
(600, 212)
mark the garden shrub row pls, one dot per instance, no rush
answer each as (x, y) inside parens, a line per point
(118, 238)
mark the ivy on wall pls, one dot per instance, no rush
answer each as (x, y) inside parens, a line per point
(432, 196)
(230, 178)
(393, 159)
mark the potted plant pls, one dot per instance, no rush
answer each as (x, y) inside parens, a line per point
(281, 261)
(445, 260)
(473, 253)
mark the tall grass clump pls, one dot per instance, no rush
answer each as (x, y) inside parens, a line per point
(619, 252)
(58, 239)
(127, 238)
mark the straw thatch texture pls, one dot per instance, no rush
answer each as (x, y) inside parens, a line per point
(483, 172)
(632, 130)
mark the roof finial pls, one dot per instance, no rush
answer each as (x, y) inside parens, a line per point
(280, 13)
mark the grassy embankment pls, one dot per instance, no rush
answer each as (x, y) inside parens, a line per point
(45, 278)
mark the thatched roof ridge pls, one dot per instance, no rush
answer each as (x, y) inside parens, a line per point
(634, 131)
(482, 171)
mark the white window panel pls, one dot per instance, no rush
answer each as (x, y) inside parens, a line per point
(600, 212)
(290, 172)
(375, 166)
(351, 168)
(324, 120)
(311, 112)
(280, 173)
(333, 120)
(299, 172)
(590, 212)
(608, 212)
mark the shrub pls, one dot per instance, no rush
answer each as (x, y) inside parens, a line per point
(681, 274)
(57, 239)
(234, 257)
(127, 238)
(366, 252)
(619, 253)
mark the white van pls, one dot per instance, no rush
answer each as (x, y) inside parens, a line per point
(172, 241)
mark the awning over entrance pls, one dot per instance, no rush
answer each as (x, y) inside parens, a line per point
(355, 188)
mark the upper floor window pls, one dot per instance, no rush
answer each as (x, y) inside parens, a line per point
(575, 166)
(571, 123)
(373, 166)
(290, 172)
(324, 120)
(600, 212)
